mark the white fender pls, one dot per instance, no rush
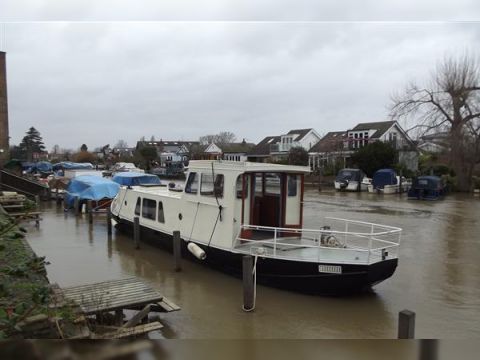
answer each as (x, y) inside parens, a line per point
(196, 251)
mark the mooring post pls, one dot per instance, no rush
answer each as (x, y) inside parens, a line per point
(76, 205)
(406, 324)
(109, 221)
(37, 201)
(136, 232)
(90, 211)
(428, 349)
(57, 196)
(177, 251)
(248, 286)
(319, 179)
(400, 186)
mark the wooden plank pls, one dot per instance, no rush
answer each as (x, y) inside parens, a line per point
(167, 305)
(129, 332)
(97, 294)
(137, 317)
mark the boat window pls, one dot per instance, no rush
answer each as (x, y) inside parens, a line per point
(258, 184)
(239, 186)
(292, 185)
(161, 216)
(272, 184)
(210, 188)
(137, 206)
(149, 209)
(192, 183)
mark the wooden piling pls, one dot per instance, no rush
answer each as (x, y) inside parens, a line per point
(136, 232)
(37, 201)
(90, 211)
(248, 285)
(76, 205)
(109, 221)
(177, 251)
(406, 324)
(428, 349)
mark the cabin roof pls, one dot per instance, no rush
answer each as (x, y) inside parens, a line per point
(245, 166)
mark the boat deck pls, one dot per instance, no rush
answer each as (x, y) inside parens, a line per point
(301, 249)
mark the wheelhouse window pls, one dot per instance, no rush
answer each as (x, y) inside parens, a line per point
(272, 184)
(161, 216)
(241, 187)
(137, 206)
(210, 187)
(149, 209)
(292, 185)
(192, 183)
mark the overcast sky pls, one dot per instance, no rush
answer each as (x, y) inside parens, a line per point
(106, 79)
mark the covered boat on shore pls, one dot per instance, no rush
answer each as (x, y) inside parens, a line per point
(386, 181)
(427, 188)
(230, 209)
(89, 187)
(351, 180)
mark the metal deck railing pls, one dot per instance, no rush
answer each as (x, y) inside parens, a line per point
(339, 241)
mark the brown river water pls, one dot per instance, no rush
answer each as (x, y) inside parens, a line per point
(438, 275)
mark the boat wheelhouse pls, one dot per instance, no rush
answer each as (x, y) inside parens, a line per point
(230, 209)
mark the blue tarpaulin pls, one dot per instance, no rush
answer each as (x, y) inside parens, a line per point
(135, 178)
(89, 187)
(384, 177)
(43, 166)
(68, 165)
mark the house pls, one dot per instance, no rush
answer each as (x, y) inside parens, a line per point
(274, 148)
(231, 151)
(170, 151)
(434, 143)
(330, 149)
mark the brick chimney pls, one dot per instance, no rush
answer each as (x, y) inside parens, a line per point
(3, 110)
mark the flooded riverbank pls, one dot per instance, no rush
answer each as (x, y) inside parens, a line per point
(437, 275)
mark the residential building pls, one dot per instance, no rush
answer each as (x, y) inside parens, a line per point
(170, 151)
(340, 145)
(230, 152)
(274, 148)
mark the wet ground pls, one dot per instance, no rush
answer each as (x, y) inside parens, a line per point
(438, 275)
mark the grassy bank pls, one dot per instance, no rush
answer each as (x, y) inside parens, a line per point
(25, 292)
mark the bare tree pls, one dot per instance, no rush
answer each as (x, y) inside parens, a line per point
(121, 144)
(450, 103)
(224, 137)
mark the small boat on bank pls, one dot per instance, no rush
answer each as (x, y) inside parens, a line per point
(386, 181)
(230, 209)
(90, 187)
(351, 180)
(427, 188)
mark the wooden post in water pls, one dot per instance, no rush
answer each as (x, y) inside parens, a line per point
(400, 185)
(406, 324)
(37, 201)
(428, 349)
(90, 211)
(136, 232)
(109, 221)
(76, 205)
(177, 251)
(319, 179)
(248, 285)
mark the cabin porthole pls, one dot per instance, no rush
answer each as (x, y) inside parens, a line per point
(180, 216)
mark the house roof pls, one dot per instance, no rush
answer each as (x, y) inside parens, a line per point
(301, 133)
(241, 147)
(332, 141)
(263, 147)
(380, 126)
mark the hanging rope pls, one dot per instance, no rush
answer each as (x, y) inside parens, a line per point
(194, 221)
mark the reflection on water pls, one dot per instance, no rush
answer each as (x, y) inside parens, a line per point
(437, 275)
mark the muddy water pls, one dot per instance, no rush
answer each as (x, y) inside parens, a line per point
(438, 275)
